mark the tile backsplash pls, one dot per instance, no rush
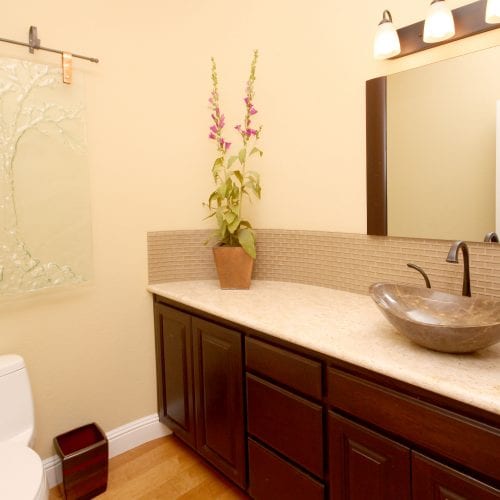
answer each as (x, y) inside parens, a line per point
(343, 261)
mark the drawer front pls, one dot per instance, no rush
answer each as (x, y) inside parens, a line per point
(460, 439)
(286, 422)
(285, 367)
(273, 478)
(434, 480)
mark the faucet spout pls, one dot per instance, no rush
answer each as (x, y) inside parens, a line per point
(453, 257)
(491, 238)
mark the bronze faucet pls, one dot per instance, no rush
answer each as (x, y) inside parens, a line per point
(453, 257)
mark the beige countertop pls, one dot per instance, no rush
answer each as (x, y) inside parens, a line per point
(349, 327)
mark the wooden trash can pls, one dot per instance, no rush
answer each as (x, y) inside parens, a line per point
(84, 455)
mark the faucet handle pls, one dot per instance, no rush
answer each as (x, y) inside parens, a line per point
(422, 272)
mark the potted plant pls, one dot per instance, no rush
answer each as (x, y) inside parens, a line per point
(234, 252)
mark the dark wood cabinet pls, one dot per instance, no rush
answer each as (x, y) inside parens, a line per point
(174, 369)
(200, 387)
(365, 464)
(218, 375)
(312, 426)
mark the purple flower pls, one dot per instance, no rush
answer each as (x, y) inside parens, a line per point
(227, 145)
(213, 128)
(211, 136)
(252, 110)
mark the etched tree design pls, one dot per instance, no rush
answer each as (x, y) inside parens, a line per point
(21, 112)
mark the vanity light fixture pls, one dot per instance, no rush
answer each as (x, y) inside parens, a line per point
(439, 24)
(386, 43)
(493, 12)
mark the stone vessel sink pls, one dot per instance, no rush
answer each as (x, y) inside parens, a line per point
(437, 320)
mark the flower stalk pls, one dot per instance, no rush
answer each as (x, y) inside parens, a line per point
(232, 180)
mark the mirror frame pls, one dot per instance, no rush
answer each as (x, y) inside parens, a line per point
(376, 156)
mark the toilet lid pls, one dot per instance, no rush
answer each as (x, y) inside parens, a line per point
(21, 472)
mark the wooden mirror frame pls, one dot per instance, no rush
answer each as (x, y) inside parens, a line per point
(469, 21)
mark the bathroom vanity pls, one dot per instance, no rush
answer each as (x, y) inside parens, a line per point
(296, 391)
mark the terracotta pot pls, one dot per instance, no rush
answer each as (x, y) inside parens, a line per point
(234, 267)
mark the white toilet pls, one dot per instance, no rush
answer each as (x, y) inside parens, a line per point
(22, 476)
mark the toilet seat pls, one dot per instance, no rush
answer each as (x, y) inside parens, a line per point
(22, 476)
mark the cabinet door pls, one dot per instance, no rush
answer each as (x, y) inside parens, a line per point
(432, 480)
(218, 372)
(273, 478)
(364, 464)
(174, 371)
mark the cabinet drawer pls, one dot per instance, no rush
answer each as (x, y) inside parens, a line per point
(288, 423)
(272, 478)
(448, 434)
(285, 367)
(434, 480)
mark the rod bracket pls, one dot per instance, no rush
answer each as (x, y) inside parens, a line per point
(34, 41)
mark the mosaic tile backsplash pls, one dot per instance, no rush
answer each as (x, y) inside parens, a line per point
(344, 261)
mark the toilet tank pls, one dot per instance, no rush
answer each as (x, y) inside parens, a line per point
(16, 402)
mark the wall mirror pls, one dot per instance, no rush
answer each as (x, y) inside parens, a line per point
(433, 133)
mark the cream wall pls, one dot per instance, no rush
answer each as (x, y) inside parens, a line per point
(90, 351)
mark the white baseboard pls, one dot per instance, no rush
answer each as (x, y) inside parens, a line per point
(120, 440)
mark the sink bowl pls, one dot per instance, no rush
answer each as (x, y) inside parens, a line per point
(437, 320)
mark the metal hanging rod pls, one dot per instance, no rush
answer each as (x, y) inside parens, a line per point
(34, 43)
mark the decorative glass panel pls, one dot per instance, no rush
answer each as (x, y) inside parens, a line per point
(45, 232)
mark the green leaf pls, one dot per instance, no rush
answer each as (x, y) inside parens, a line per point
(242, 155)
(234, 225)
(231, 160)
(246, 238)
(221, 190)
(229, 218)
(254, 175)
(239, 176)
(254, 187)
(219, 161)
(245, 223)
(213, 197)
(256, 150)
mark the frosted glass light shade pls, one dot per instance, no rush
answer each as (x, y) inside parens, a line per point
(493, 12)
(386, 43)
(439, 24)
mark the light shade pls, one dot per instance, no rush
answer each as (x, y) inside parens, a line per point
(493, 12)
(439, 24)
(386, 43)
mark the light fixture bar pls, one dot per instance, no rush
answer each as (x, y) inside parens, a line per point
(469, 20)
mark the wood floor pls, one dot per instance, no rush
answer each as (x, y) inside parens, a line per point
(163, 469)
